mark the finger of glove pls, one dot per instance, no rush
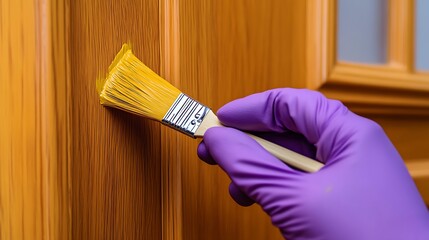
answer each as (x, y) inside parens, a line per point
(238, 196)
(255, 171)
(320, 120)
(204, 154)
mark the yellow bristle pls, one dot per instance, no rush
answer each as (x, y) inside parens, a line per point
(132, 86)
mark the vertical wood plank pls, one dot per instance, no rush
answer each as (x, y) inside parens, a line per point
(401, 34)
(34, 127)
(116, 156)
(171, 181)
(229, 49)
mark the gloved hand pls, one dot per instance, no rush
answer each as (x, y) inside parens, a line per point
(363, 192)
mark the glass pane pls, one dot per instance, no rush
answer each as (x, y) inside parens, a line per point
(362, 31)
(422, 35)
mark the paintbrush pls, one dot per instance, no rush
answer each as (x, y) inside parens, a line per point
(133, 87)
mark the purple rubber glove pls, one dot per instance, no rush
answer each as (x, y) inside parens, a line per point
(363, 192)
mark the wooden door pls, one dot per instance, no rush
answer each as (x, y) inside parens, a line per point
(72, 169)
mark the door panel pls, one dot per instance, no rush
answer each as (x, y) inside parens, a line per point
(229, 49)
(116, 156)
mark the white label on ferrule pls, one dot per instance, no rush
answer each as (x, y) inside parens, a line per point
(185, 114)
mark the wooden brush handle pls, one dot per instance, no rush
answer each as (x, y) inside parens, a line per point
(287, 156)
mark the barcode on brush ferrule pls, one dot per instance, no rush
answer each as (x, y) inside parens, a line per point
(185, 114)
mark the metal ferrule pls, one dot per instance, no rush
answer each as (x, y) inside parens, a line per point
(185, 115)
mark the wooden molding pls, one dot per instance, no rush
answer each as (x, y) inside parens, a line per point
(317, 29)
(170, 157)
(393, 88)
(400, 34)
(57, 121)
(386, 77)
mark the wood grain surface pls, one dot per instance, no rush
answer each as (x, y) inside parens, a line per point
(34, 127)
(229, 49)
(72, 169)
(116, 156)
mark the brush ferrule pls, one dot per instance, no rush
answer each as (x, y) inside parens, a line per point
(185, 114)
